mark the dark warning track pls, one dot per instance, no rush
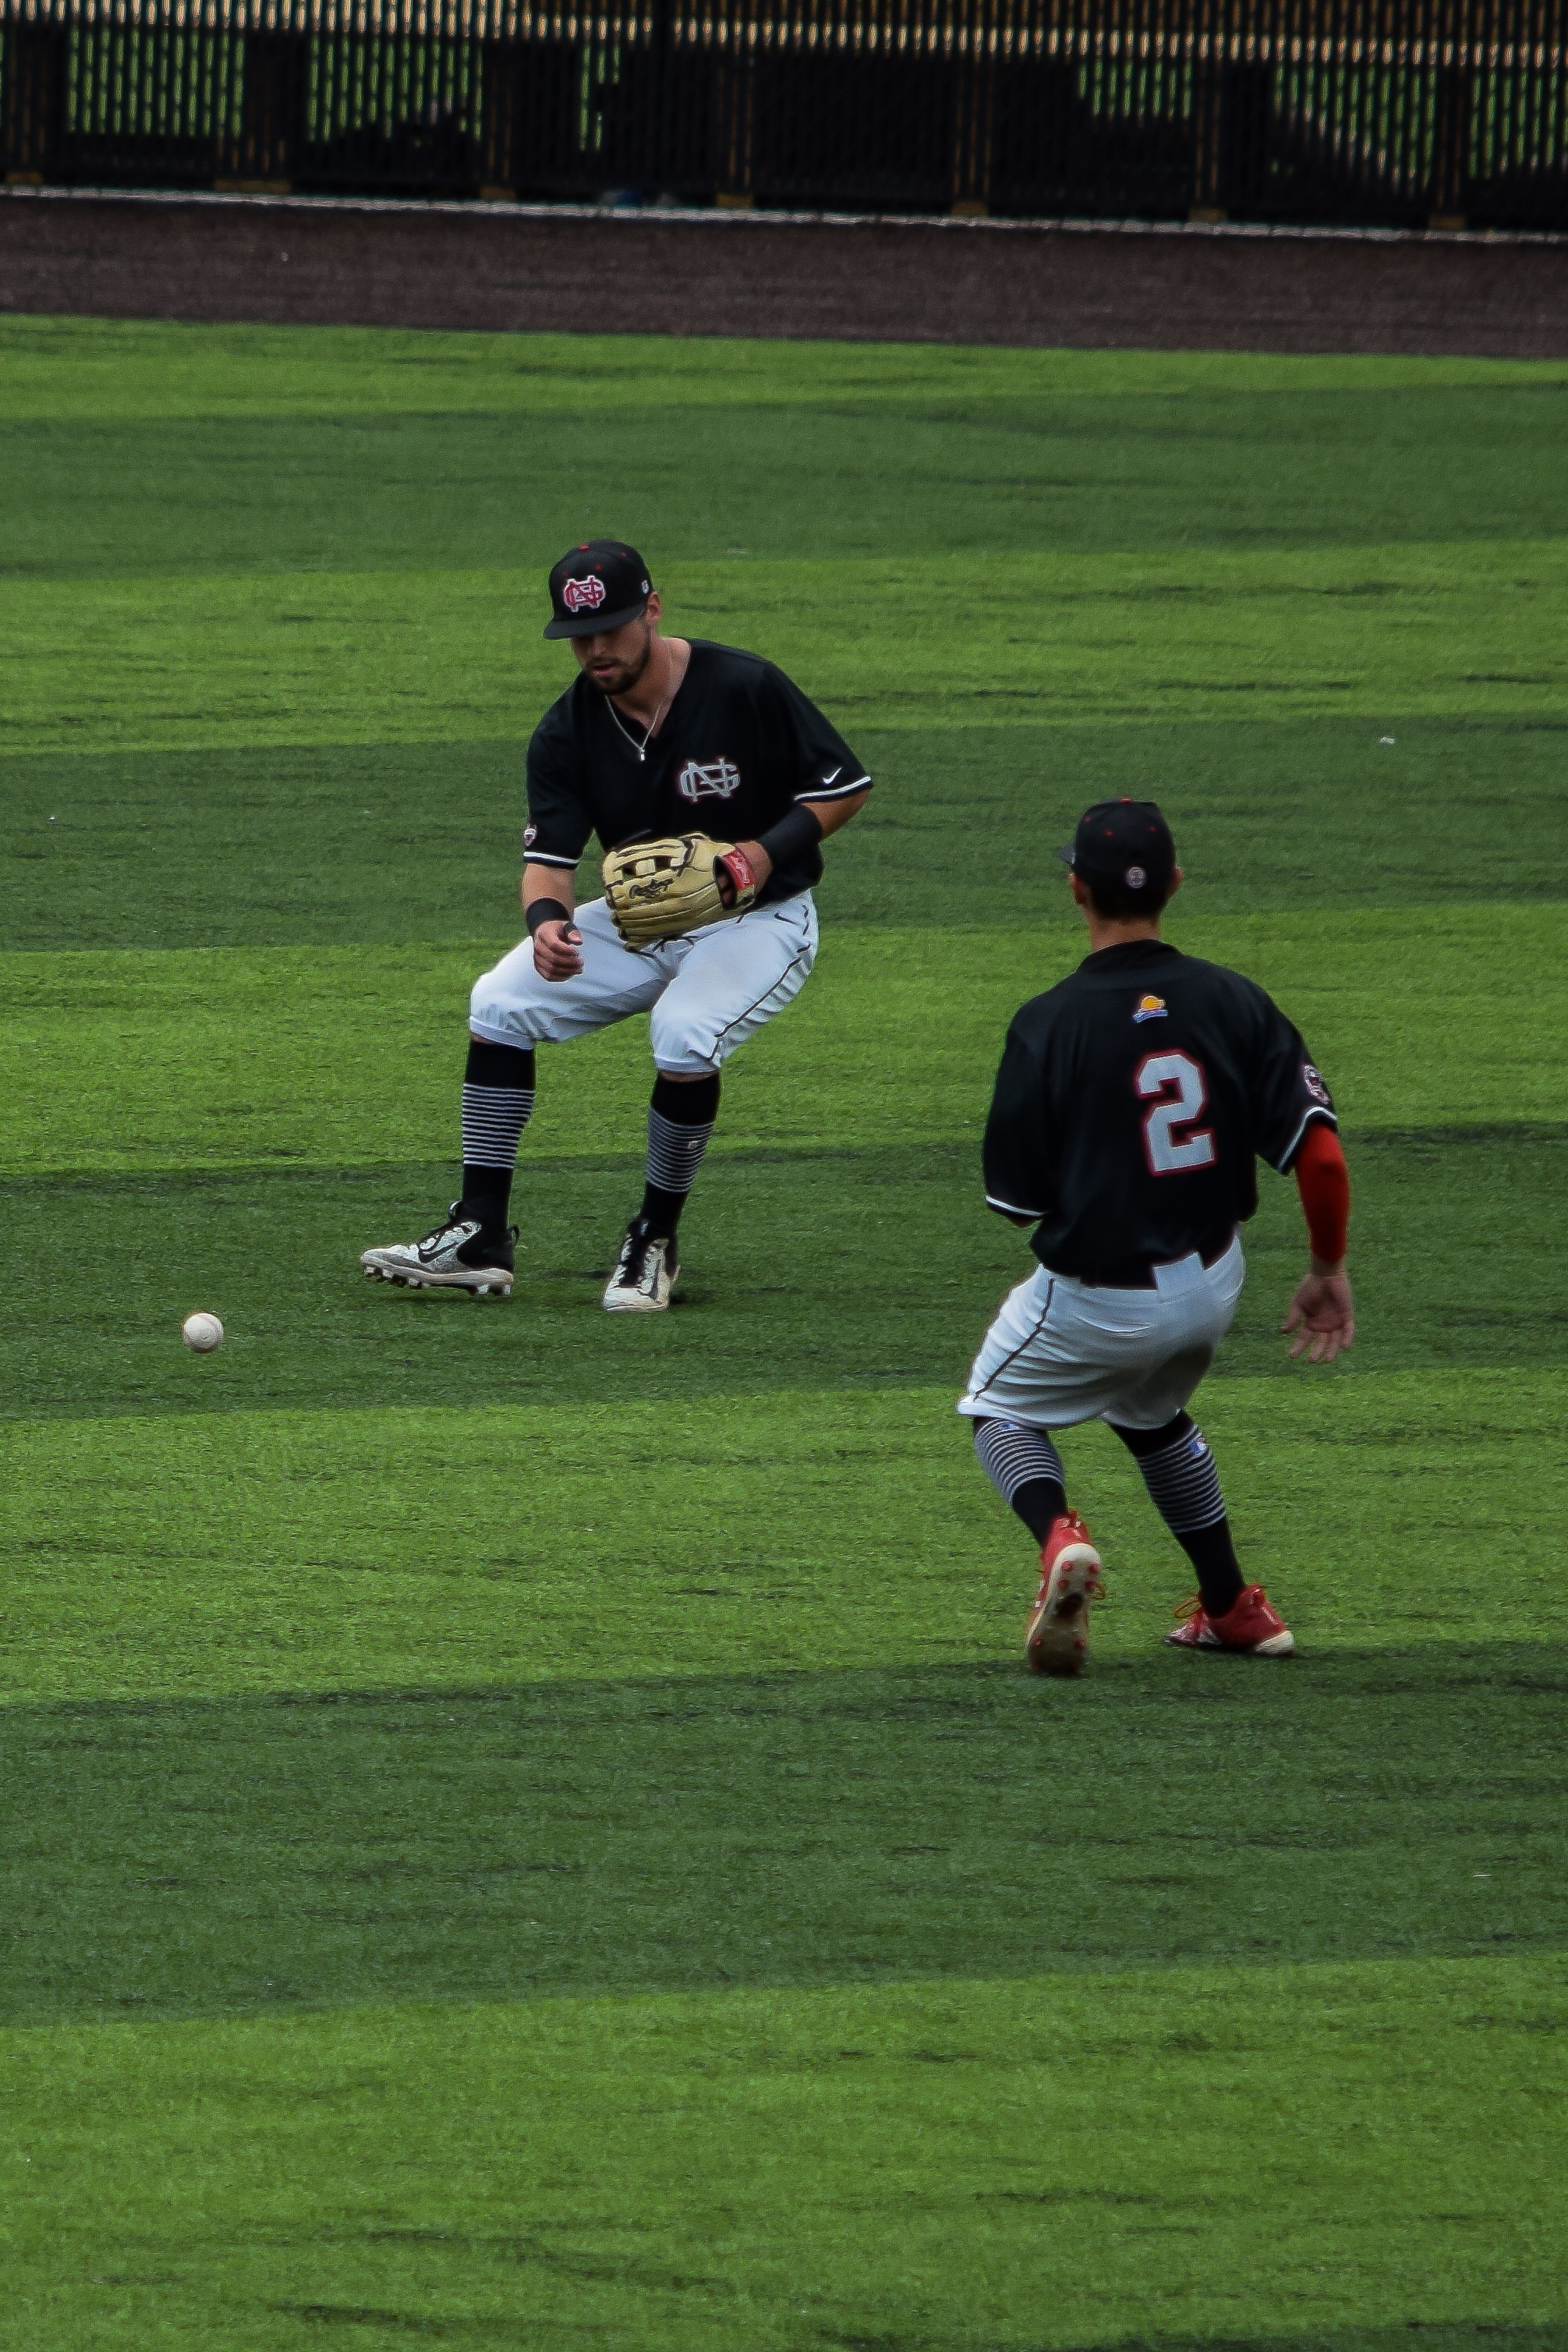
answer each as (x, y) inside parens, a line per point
(297, 260)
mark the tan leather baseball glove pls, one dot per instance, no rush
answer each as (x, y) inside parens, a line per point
(661, 889)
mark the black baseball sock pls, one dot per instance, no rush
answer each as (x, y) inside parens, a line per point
(1025, 1469)
(1184, 1487)
(680, 1120)
(498, 1099)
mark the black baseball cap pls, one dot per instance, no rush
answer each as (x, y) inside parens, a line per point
(601, 584)
(1124, 846)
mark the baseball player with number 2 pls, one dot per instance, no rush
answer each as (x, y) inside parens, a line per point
(656, 738)
(1132, 1103)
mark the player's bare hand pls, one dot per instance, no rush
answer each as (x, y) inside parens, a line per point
(556, 947)
(1322, 1317)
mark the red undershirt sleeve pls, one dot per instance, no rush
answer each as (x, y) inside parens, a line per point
(1323, 1182)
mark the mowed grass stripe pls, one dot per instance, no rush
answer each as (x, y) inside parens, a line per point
(106, 371)
(522, 1839)
(232, 660)
(1043, 471)
(278, 1551)
(1023, 2165)
(879, 1272)
(235, 1058)
(420, 843)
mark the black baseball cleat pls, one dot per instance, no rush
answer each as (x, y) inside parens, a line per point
(645, 1272)
(457, 1254)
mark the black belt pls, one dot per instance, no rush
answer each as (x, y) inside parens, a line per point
(1139, 1275)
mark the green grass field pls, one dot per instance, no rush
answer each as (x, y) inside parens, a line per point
(522, 1828)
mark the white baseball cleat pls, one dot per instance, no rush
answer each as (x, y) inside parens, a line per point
(645, 1272)
(456, 1255)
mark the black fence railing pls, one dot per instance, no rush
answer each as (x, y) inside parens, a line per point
(1404, 112)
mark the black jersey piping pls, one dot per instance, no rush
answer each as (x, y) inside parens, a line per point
(1028, 1342)
(721, 1034)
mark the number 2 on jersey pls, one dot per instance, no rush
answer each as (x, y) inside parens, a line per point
(1177, 1083)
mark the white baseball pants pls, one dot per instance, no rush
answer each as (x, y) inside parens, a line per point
(707, 993)
(1063, 1351)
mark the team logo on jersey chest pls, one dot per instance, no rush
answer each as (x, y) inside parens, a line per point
(708, 780)
(1151, 1008)
(583, 595)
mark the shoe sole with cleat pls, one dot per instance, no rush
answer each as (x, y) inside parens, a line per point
(483, 1281)
(1058, 1639)
(1278, 1645)
(635, 1302)
(1282, 1645)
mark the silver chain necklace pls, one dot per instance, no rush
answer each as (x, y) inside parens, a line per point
(641, 749)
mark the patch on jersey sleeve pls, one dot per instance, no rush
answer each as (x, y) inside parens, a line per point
(1151, 1008)
(530, 835)
(1315, 1087)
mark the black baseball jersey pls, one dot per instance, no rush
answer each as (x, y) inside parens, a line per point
(1129, 1107)
(739, 746)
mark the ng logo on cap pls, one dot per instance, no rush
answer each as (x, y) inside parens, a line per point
(583, 595)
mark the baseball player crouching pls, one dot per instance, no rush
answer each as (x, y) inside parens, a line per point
(657, 737)
(1131, 1104)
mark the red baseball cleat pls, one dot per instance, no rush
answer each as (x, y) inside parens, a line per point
(1252, 1626)
(1057, 1641)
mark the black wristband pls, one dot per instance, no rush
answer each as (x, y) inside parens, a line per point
(545, 911)
(792, 836)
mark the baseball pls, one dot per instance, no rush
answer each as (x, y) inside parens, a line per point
(201, 1333)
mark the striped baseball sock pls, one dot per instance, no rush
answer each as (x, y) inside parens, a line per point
(1025, 1469)
(1184, 1487)
(498, 1100)
(680, 1120)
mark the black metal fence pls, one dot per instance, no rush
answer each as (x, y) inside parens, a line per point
(1407, 112)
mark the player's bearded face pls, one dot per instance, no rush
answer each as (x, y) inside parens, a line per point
(616, 660)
